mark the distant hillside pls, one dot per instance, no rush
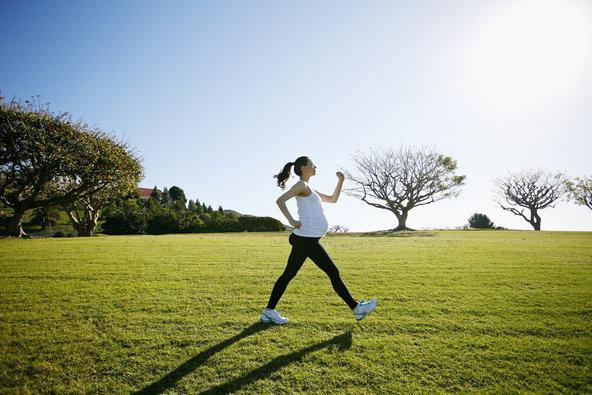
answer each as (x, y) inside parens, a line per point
(232, 212)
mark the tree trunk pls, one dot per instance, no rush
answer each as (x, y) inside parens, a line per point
(85, 224)
(84, 228)
(402, 221)
(85, 231)
(13, 224)
(535, 219)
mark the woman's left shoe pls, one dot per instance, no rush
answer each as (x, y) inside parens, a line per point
(273, 316)
(364, 308)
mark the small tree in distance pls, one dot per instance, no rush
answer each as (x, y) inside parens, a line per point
(530, 191)
(580, 191)
(165, 198)
(177, 195)
(338, 229)
(155, 194)
(480, 221)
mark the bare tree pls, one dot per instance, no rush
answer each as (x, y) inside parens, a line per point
(338, 229)
(580, 191)
(400, 180)
(530, 191)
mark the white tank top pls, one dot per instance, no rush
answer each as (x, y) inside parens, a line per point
(311, 215)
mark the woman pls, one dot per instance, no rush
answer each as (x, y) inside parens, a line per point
(305, 239)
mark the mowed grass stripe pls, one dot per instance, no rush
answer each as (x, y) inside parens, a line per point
(458, 311)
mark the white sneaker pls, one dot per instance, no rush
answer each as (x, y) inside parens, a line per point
(364, 308)
(273, 316)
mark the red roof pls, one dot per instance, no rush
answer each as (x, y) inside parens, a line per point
(145, 192)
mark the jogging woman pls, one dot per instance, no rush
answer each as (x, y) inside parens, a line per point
(305, 239)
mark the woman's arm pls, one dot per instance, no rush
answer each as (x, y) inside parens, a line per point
(297, 189)
(333, 198)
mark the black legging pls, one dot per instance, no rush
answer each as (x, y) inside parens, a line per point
(309, 247)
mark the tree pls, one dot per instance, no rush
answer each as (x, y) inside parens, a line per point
(115, 172)
(338, 229)
(150, 203)
(43, 158)
(530, 190)
(220, 209)
(127, 218)
(480, 221)
(194, 223)
(191, 206)
(163, 221)
(198, 207)
(580, 191)
(404, 179)
(177, 194)
(155, 194)
(178, 198)
(165, 198)
(45, 217)
(2, 215)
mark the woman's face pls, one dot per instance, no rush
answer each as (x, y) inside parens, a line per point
(310, 169)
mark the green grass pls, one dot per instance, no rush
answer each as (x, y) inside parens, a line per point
(492, 311)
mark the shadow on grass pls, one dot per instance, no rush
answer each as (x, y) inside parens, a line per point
(190, 365)
(342, 342)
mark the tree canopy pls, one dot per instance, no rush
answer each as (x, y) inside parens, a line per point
(47, 160)
(580, 191)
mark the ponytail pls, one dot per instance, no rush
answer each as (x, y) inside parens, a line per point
(284, 174)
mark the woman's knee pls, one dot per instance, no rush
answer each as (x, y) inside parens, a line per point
(332, 271)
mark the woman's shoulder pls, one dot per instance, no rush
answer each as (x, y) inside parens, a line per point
(304, 188)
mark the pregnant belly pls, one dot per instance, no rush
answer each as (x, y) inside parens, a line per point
(317, 224)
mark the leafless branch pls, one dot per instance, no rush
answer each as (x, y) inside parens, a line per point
(532, 190)
(399, 180)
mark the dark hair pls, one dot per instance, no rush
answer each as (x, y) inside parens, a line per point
(284, 174)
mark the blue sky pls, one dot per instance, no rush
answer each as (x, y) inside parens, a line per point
(218, 96)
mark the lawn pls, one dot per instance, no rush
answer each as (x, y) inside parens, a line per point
(493, 311)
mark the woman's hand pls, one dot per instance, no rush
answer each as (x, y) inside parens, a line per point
(296, 224)
(340, 176)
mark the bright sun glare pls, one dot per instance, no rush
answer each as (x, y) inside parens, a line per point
(533, 49)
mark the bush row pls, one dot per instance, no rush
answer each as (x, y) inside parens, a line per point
(130, 218)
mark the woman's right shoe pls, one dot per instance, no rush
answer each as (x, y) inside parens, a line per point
(273, 316)
(364, 308)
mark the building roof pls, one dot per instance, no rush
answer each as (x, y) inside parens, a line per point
(145, 192)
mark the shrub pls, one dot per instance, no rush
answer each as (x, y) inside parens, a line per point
(480, 221)
(59, 233)
(128, 220)
(259, 224)
(194, 224)
(164, 221)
